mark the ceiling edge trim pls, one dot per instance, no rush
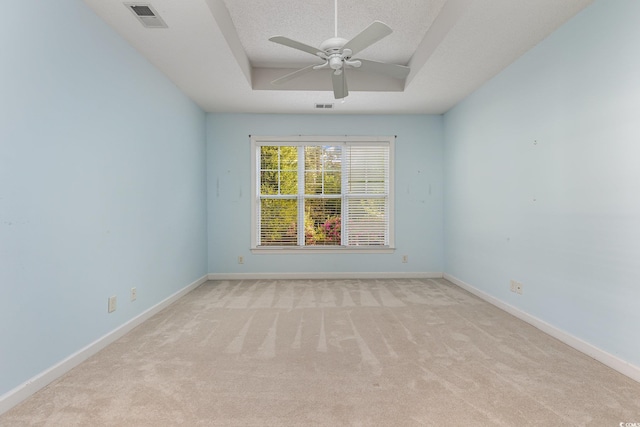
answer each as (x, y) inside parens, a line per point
(448, 17)
(228, 30)
(320, 80)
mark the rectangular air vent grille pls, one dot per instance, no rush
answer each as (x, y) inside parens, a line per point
(146, 14)
(143, 10)
(319, 106)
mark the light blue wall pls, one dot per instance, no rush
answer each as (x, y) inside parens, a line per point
(561, 215)
(104, 180)
(418, 196)
(102, 184)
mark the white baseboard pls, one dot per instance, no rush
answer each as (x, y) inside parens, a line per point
(323, 275)
(598, 354)
(24, 390)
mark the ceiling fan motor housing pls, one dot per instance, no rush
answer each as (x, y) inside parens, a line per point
(333, 45)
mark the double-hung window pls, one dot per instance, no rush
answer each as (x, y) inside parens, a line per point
(322, 193)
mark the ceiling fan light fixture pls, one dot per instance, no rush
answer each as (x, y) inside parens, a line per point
(335, 62)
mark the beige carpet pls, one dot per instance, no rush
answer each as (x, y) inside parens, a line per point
(349, 352)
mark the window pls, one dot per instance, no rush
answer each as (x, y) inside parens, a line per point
(322, 193)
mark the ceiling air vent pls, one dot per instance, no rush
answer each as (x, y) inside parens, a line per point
(146, 14)
(321, 106)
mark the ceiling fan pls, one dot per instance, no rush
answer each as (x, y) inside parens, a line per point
(338, 55)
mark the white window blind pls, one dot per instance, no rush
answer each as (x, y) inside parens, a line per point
(322, 192)
(367, 195)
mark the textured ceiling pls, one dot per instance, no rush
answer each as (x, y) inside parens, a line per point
(313, 21)
(218, 53)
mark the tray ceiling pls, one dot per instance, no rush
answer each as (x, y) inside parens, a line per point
(218, 53)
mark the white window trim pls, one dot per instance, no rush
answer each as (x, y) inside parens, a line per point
(300, 140)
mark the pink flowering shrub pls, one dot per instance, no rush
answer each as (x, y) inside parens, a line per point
(326, 233)
(332, 228)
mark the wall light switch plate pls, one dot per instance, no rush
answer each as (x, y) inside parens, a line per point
(112, 304)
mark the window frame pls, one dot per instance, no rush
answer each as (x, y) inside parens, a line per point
(300, 140)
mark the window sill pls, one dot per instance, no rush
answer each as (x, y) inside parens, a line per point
(321, 250)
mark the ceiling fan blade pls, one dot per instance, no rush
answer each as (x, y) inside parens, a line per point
(296, 45)
(339, 85)
(374, 32)
(391, 70)
(293, 75)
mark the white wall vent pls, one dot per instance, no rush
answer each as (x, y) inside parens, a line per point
(146, 14)
(324, 106)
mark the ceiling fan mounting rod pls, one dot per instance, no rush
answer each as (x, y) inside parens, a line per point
(336, 18)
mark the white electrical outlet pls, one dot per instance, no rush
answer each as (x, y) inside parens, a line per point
(134, 294)
(513, 285)
(405, 259)
(240, 259)
(112, 304)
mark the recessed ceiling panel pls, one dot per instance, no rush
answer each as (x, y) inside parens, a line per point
(313, 21)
